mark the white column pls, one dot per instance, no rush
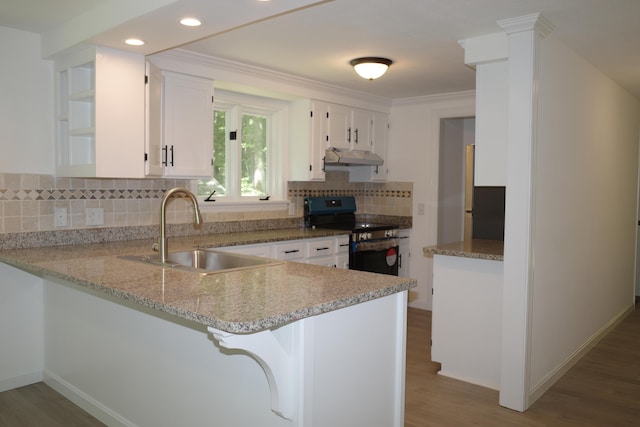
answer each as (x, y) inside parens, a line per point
(524, 37)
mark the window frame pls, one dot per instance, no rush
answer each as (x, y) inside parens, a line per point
(276, 112)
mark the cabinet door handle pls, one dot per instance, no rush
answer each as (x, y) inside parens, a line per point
(172, 155)
(322, 249)
(349, 135)
(164, 156)
(356, 132)
(292, 251)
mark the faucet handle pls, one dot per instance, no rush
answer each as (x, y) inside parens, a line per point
(155, 247)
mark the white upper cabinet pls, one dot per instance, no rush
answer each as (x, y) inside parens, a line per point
(349, 128)
(179, 140)
(339, 123)
(100, 114)
(491, 124)
(309, 139)
(361, 129)
(488, 54)
(379, 142)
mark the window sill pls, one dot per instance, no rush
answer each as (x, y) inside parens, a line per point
(221, 205)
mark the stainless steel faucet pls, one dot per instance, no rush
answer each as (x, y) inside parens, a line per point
(197, 218)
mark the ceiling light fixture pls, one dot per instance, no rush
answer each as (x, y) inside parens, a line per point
(190, 22)
(371, 67)
(134, 42)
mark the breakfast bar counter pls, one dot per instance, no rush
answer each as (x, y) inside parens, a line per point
(467, 310)
(118, 336)
(288, 291)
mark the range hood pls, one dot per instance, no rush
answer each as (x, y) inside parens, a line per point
(339, 157)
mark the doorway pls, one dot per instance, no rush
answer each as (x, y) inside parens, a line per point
(455, 134)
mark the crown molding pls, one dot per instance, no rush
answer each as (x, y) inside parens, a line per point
(534, 21)
(232, 75)
(463, 96)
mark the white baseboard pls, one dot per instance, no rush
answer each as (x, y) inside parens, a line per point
(20, 381)
(469, 380)
(86, 402)
(550, 379)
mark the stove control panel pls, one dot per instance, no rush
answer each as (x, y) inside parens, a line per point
(364, 236)
(390, 233)
(360, 236)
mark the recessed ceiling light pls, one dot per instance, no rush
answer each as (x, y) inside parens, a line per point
(190, 22)
(134, 42)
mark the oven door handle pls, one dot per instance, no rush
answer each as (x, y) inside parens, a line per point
(375, 245)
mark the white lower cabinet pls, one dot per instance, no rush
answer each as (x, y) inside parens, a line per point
(321, 252)
(290, 251)
(262, 249)
(467, 319)
(404, 247)
(330, 252)
(117, 360)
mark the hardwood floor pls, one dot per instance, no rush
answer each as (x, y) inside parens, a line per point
(603, 389)
(39, 405)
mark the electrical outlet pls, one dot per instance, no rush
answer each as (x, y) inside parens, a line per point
(60, 217)
(94, 216)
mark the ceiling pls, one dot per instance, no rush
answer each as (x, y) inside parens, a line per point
(316, 40)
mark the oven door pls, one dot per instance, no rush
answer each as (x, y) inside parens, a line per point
(380, 256)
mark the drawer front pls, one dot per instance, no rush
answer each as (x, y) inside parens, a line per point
(342, 244)
(255, 250)
(289, 251)
(318, 248)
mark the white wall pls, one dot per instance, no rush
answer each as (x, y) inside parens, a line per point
(413, 155)
(26, 105)
(455, 135)
(21, 329)
(584, 215)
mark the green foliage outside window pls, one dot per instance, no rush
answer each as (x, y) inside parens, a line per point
(253, 157)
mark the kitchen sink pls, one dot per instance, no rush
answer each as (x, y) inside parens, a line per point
(205, 261)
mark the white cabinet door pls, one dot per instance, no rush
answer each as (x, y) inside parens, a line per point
(187, 105)
(319, 139)
(262, 250)
(379, 142)
(320, 248)
(100, 114)
(340, 132)
(361, 129)
(342, 261)
(491, 124)
(153, 122)
(404, 260)
(290, 250)
(327, 261)
(308, 133)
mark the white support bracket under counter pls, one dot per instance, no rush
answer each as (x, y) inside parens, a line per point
(276, 362)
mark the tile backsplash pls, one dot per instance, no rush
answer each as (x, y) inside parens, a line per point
(376, 198)
(28, 201)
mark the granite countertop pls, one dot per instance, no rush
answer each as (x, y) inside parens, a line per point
(475, 248)
(241, 301)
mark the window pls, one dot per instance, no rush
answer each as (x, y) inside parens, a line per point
(248, 145)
